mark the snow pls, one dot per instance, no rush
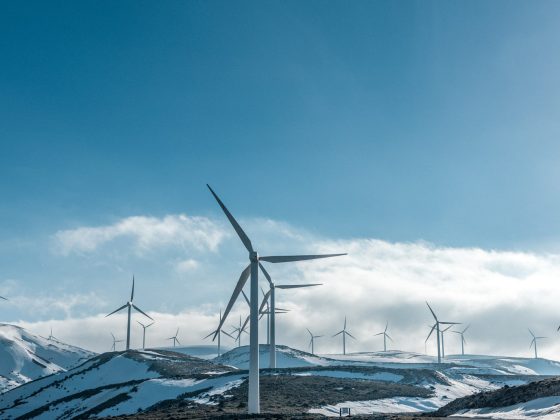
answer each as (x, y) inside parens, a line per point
(25, 356)
(378, 376)
(547, 408)
(444, 391)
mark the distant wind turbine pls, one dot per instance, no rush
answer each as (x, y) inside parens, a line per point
(385, 336)
(252, 269)
(175, 339)
(463, 341)
(219, 335)
(272, 294)
(437, 328)
(115, 341)
(312, 341)
(266, 311)
(344, 334)
(130, 305)
(144, 333)
(534, 341)
(52, 337)
(241, 329)
(443, 340)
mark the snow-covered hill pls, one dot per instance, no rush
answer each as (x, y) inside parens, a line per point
(286, 357)
(25, 356)
(117, 383)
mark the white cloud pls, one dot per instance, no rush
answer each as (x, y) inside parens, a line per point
(500, 293)
(186, 266)
(145, 232)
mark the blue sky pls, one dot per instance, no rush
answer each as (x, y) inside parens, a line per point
(399, 121)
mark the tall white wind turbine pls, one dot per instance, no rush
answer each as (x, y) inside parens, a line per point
(130, 305)
(266, 311)
(252, 269)
(344, 334)
(385, 336)
(534, 342)
(241, 329)
(115, 341)
(175, 339)
(463, 341)
(272, 292)
(312, 341)
(438, 330)
(144, 327)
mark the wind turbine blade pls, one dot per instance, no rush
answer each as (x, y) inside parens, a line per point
(141, 311)
(240, 284)
(245, 324)
(265, 301)
(295, 286)
(344, 329)
(213, 332)
(388, 336)
(318, 336)
(340, 332)
(143, 326)
(2, 297)
(310, 333)
(386, 326)
(380, 333)
(532, 341)
(450, 323)
(246, 298)
(431, 331)
(290, 258)
(117, 310)
(244, 238)
(531, 332)
(177, 333)
(177, 340)
(113, 336)
(150, 324)
(266, 274)
(468, 326)
(132, 293)
(350, 335)
(430, 308)
(229, 335)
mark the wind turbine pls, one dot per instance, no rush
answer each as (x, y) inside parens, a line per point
(129, 305)
(175, 339)
(115, 341)
(463, 341)
(443, 341)
(534, 341)
(144, 333)
(344, 334)
(437, 328)
(385, 336)
(219, 335)
(51, 336)
(272, 295)
(239, 330)
(312, 341)
(252, 269)
(267, 312)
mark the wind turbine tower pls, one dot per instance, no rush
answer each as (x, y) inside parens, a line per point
(438, 331)
(130, 305)
(463, 341)
(175, 339)
(534, 342)
(252, 269)
(312, 341)
(385, 336)
(144, 333)
(344, 334)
